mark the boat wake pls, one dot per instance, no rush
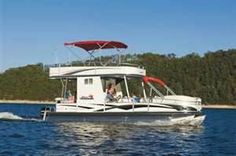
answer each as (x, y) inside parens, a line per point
(185, 121)
(9, 116)
(12, 117)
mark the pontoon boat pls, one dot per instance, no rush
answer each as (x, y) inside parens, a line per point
(89, 100)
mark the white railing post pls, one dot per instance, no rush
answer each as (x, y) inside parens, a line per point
(144, 92)
(104, 106)
(127, 89)
(133, 106)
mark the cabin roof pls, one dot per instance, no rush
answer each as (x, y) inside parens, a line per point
(103, 71)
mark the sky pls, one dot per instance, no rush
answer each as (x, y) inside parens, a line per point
(35, 31)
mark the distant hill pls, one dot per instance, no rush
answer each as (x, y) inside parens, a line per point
(211, 77)
(28, 83)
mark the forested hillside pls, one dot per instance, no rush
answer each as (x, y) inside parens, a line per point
(211, 77)
(28, 83)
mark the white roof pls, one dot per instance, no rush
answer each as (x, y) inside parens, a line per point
(60, 72)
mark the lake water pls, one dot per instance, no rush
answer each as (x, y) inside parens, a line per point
(27, 135)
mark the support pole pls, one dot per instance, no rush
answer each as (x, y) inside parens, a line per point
(104, 107)
(127, 89)
(144, 92)
(153, 88)
(63, 88)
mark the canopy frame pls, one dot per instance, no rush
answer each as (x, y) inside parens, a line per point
(148, 81)
(93, 46)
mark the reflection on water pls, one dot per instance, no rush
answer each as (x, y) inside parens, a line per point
(103, 139)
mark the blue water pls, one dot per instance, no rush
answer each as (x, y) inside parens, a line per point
(217, 136)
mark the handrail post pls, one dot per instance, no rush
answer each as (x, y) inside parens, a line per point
(133, 106)
(104, 106)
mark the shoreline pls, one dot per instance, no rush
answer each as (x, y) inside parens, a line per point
(216, 106)
(26, 102)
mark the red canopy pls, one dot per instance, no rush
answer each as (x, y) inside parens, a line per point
(147, 79)
(93, 45)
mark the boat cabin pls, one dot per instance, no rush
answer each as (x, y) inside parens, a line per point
(93, 81)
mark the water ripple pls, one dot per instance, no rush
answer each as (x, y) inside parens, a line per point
(217, 136)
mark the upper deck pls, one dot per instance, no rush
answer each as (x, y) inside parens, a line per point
(104, 70)
(82, 71)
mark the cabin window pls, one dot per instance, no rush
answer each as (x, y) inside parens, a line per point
(88, 81)
(85, 81)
